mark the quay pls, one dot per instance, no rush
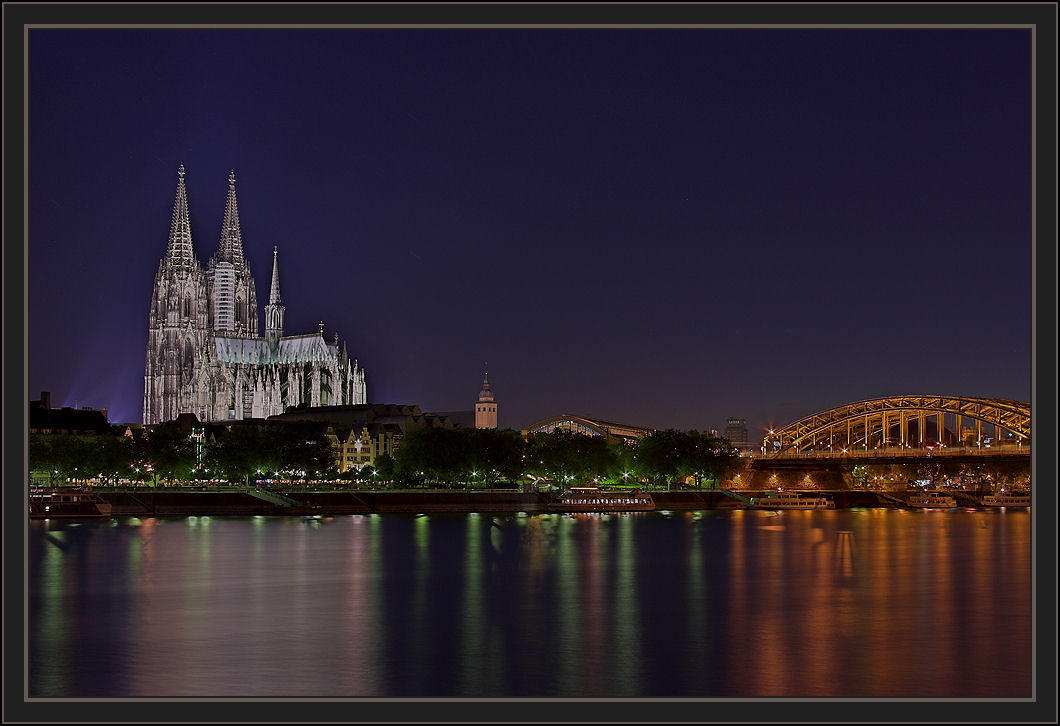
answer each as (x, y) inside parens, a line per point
(251, 501)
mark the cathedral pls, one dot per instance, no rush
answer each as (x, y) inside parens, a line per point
(204, 353)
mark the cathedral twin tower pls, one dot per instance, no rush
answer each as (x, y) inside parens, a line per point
(204, 353)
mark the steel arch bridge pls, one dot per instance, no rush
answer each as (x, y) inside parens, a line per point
(610, 430)
(904, 422)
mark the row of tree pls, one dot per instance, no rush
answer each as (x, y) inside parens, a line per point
(168, 453)
(430, 456)
(486, 457)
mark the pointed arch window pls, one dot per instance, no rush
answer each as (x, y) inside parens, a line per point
(325, 387)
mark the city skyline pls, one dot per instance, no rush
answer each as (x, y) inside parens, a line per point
(681, 232)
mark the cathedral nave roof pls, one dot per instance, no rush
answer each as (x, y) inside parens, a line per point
(308, 348)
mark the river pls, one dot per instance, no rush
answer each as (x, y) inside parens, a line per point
(851, 603)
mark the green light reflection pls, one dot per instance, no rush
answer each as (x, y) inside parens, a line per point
(420, 640)
(627, 629)
(697, 597)
(52, 622)
(568, 606)
(472, 640)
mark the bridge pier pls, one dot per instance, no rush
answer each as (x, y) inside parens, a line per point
(830, 471)
(787, 474)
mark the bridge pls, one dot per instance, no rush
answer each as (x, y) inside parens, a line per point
(822, 450)
(899, 427)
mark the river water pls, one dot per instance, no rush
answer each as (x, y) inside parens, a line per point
(859, 603)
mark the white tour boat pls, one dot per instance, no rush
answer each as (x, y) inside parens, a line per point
(591, 499)
(931, 500)
(791, 500)
(1006, 499)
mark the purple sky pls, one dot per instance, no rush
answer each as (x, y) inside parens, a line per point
(662, 227)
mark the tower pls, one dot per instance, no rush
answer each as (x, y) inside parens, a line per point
(233, 300)
(486, 406)
(736, 430)
(177, 327)
(274, 310)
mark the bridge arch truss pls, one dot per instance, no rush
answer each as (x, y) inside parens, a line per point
(904, 422)
(568, 422)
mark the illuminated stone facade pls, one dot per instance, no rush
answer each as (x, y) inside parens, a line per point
(360, 447)
(204, 354)
(486, 406)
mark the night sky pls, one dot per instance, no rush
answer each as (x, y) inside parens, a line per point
(663, 227)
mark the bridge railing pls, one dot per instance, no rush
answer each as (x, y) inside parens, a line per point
(992, 450)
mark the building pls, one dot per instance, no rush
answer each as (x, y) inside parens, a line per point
(486, 406)
(84, 421)
(361, 433)
(611, 430)
(204, 352)
(462, 419)
(361, 447)
(736, 431)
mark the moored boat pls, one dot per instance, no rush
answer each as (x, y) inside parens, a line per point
(66, 505)
(791, 500)
(931, 500)
(1006, 499)
(591, 499)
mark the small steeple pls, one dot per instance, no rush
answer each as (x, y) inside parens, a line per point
(274, 310)
(274, 291)
(231, 247)
(486, 406)
(486, 394)
(180, 251)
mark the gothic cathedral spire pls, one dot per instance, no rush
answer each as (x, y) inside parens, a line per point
(274, 291)
(180, 252)
(177, 327)
(231, 248)
(274, 310)
(233, 299)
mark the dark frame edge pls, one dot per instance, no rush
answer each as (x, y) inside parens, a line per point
(1043, 709)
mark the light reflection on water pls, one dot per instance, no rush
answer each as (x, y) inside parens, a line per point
(737, 603)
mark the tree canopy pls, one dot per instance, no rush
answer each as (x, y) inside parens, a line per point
(431, 456)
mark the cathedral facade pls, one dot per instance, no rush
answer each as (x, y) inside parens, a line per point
(205, 355)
